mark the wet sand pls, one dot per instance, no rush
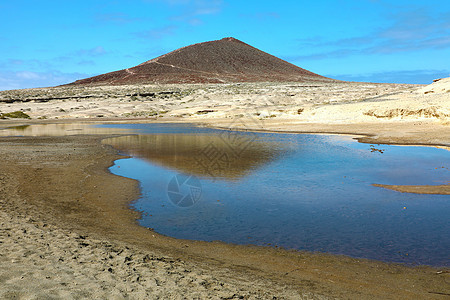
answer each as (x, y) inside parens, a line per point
(67, 231)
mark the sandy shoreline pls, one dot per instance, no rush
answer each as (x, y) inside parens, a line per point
(66, 223)
(81, 198)
(67, 230)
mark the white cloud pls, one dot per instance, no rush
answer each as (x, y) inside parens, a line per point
(262, 16)
(28, 75)
(96, 51)
(118, 17)
(410, 31)
(27, 79)
(157, 33)
(195, 9)
(405, 76)
(32, 64)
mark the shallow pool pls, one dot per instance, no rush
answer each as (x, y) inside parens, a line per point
(297, 191)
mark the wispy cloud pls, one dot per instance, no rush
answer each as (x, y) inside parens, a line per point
(319, 42)
(118, 17)
(186, 12)
(96, 51)
(339, 53)
(29, 79)
(170, 2)
(194, 10)
(157, 33)
(193, 7)
(262, 16)
(30, 64)
(12, 62)
(195, 21)
(404, 76)
(39, 70)
(197, 6)
(81, 57)
(86, 63)
(410, 31)
(28, 75)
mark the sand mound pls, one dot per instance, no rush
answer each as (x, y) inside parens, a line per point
(428, 112)
(439, 86)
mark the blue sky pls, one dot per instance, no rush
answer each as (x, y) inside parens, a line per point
(45, 43)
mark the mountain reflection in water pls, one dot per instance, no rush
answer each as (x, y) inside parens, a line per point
(304, 192)
(226, 156)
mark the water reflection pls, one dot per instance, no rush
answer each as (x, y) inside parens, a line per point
(59, 130)
(311, 192)
(213, 156)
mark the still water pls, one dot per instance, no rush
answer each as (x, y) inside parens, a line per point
(297, 191)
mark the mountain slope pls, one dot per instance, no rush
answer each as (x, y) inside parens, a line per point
(222, 61)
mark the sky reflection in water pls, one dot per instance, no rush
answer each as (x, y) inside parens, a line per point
(306, 192)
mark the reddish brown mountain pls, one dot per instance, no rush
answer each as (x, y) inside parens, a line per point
(225, 60)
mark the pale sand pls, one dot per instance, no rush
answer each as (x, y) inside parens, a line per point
(66, 230)
(332, 103)
(41, 261)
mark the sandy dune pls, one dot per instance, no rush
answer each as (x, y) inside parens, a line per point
(318, 103)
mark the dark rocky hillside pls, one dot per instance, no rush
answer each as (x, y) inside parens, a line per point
(222, 61)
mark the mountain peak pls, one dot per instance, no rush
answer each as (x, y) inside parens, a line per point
(231, 39)
(220, 61)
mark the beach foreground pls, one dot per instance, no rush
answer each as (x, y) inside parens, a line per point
(67, 232)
